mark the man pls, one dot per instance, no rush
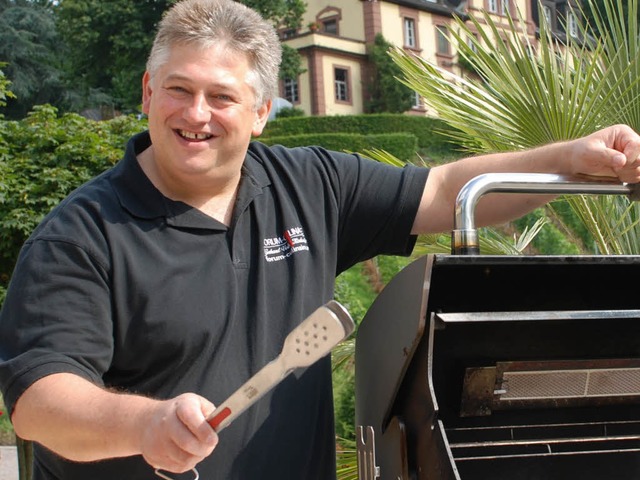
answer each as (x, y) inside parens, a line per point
(165, 283)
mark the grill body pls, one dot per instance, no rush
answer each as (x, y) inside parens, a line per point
(483, 367)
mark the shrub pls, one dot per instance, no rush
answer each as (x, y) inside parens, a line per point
(428, 131)
(42, 159)
(401, 145)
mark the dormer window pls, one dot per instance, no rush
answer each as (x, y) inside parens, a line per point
(330, 26)
(328, 20)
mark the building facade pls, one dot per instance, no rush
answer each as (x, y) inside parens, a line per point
(336, 35)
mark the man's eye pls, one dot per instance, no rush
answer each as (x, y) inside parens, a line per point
(176, 89)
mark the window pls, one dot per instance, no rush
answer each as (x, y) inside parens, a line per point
(572, 25)
(442, 42)
(417, 100)
(288, 33)
(330, 26)
(410, 33)
(505, 8)
(472, 43)
(492, 6)
(291, 90)
(548, 14)
(341, 79)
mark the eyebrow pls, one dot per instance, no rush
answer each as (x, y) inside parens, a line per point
(187, 78)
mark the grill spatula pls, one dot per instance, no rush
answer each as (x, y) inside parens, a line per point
(308, 342)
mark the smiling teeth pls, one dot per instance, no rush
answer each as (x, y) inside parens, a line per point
(195, 136)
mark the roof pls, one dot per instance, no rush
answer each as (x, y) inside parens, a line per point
(442, 7)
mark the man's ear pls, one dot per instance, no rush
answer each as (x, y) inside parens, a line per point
(146, 92)
(262, 115)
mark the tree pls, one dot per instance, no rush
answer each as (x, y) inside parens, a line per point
(28, 44)
(5, 93)
(291, 65)
(386, 93)
(283, 13)
(108, 44)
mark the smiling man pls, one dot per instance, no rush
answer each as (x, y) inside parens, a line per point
(202, 114)
(157, 289)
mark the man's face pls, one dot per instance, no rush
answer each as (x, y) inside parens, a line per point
(201, 113)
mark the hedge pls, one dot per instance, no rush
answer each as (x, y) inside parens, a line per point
(428, 131)
(402, 145)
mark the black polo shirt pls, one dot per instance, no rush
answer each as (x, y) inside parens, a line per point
(131, 290)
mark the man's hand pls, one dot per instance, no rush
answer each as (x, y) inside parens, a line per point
(84, 422)
(178, 436)
(610, 152)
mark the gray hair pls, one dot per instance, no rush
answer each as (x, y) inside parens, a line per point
(205, 23)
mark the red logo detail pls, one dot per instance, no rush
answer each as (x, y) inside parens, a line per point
(288, 238)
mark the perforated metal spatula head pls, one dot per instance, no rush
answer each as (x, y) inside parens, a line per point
(308, 342)
(316, 335)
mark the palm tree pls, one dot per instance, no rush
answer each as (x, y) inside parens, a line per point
(526, 96)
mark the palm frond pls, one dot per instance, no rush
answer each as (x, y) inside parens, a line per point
(343, 353)
(526, 95)
(383, 156)
(523, 98)
(346, 459)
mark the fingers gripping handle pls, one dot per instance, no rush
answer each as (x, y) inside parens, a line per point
(308, 342)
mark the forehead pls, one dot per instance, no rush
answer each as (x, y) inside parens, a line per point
(215, 62)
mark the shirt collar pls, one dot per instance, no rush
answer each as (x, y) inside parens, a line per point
(142, 199)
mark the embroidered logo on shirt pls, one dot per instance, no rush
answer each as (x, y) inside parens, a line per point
(280, 248)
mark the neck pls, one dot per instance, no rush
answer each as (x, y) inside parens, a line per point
(214, 197)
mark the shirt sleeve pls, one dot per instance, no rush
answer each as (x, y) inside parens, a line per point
(55, 318)
(378, 204)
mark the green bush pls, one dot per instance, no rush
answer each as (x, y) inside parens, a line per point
(344, 391)
(289, 112)
(550, 240)
(354, 291)
(402, 145)
(6, 429)
(42, 159)
(428, 131)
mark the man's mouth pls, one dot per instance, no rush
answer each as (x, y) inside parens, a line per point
(194, 136)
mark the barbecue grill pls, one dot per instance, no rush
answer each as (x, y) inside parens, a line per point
(502, 367)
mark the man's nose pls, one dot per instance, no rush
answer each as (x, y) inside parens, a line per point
(199, 109)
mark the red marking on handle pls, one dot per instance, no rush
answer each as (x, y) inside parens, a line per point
(219, 418)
